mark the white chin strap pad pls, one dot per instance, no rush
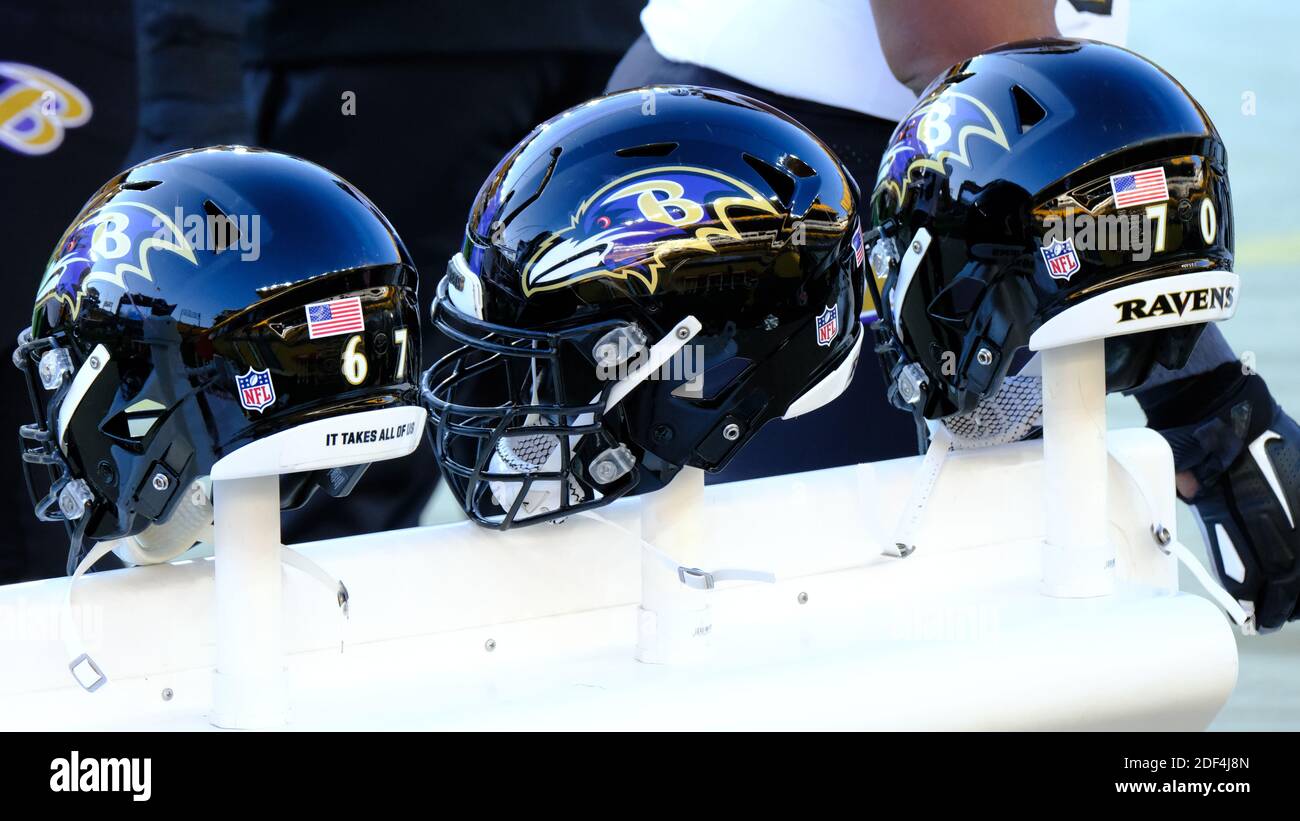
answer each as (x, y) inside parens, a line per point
(189, 523)
(831, 385)
(536, 453)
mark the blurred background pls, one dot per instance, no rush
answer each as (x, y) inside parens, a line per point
(412, 102)
(1235, 59)
(416, 102)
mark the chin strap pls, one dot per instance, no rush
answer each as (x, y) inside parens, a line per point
(918, 500)
(1165, 542)
(300, 562)
(91, 676)
(692, 577)
(83, 668)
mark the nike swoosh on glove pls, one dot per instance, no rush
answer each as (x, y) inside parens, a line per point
(1245, 454)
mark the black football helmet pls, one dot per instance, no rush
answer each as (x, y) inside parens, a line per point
(200, 301)
(646, 280)
(980, 190)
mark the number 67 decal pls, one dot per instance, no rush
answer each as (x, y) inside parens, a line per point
(355, 365)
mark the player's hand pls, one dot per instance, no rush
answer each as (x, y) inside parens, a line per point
(1239, 468)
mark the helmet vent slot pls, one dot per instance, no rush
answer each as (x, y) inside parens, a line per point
(777, 180)
(648, 150)
(141, 185)
(546, 178)
(223, 229)
(1029, 111)
(798, 167)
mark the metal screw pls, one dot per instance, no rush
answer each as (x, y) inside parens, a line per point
(731, 432)
(683, 333)
(770, 322)
(984, 357)
(1161, 534)
(167, 694)
(160, 481)
(803, 598)
(490, 645)
(916, 247)
(107, 474)
(94, 363)
(661, 433)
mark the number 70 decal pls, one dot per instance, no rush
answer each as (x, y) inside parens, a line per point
(355, 366)
(1160, 213)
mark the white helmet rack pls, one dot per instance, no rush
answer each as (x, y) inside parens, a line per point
(455, 626)
(1078, 555)
(249, 689)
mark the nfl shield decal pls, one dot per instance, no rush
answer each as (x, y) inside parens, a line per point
(256, 391)
(828, 325)
(1062, 261)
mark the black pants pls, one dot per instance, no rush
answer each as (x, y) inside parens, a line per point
(427, 131)
(860, 426)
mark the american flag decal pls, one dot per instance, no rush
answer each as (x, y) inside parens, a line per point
(339, 316)
(1139, 187)
(859, 253)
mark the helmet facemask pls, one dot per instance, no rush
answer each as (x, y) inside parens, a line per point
(526, 424)
(50, 370)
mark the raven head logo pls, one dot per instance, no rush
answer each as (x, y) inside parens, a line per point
(113, 240)
(938, 131)
(632, 227)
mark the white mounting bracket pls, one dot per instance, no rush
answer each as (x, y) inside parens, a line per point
(1078, 558)
(674, 621)
(249, 690)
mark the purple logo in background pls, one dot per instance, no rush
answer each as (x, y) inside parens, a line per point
(39, 106)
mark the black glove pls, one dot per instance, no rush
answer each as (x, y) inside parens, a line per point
(1244, 450)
